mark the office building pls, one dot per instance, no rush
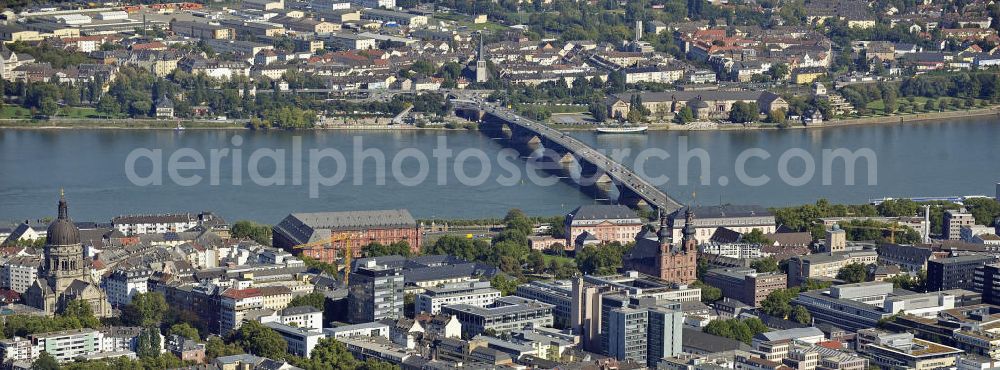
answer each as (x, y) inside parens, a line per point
(376, 293)
(954, 220)
(954, 272)
(986, 280)
(477, 293)
(505, 315)
(902, 350)
(825, 265)
(862, 305)
(606, 223)
(424, 271)
(745, 285)
(387, 4)
(359, 228)
(301, 341)
(201, 30)
(349, 41)
(390, 16)
(368, 329)
(645, 331)
(306, 317)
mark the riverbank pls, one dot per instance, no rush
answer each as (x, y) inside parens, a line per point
(874, 120)
(152, 124)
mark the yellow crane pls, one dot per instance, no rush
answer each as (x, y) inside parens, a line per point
(329, 243)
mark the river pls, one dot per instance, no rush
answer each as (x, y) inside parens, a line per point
(921, 159)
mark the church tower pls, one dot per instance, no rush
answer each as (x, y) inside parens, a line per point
(482, 73)
(689, 243)
(63, 251)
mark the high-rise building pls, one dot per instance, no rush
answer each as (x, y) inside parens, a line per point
(954, 220)
(644, 331)
(954, 272)
(376, 293)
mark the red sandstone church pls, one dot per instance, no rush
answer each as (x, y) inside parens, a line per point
(661, 257)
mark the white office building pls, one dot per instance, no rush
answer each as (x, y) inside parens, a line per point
(476, 293)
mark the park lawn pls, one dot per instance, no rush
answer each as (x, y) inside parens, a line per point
(13, 111)
(560, 259)
(78, 112)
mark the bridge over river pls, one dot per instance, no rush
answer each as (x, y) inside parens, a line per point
(595, 169)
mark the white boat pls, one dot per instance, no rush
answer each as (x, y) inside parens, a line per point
(622, 129)
(179, 127)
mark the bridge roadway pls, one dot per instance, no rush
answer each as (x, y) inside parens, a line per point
(622, 177)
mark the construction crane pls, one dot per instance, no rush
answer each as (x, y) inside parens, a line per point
(334, 238)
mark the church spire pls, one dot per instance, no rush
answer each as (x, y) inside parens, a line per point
(63, 209)
(689, 231)
(663, 234)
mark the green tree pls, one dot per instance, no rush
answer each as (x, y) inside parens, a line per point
(684, 115)
(766, 264)
(709, 293)
(598, 111)
(743, 112)
(756, 236)
(185, 330)
(48, 107)
(148, 343)
(505, 285)
(601, 259)
(259, 233)
(777, 116)
(328, 354)
(898, 208)
(317, 300)
(261, 340)
(778, 71)
(801, 315)
(536, 261)
(45, 361)
(146, 309)
(400, 248)
(778, 302)
(215, 347)
(853, 273)
(80, 310)
(741, 330)
(108, 106)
